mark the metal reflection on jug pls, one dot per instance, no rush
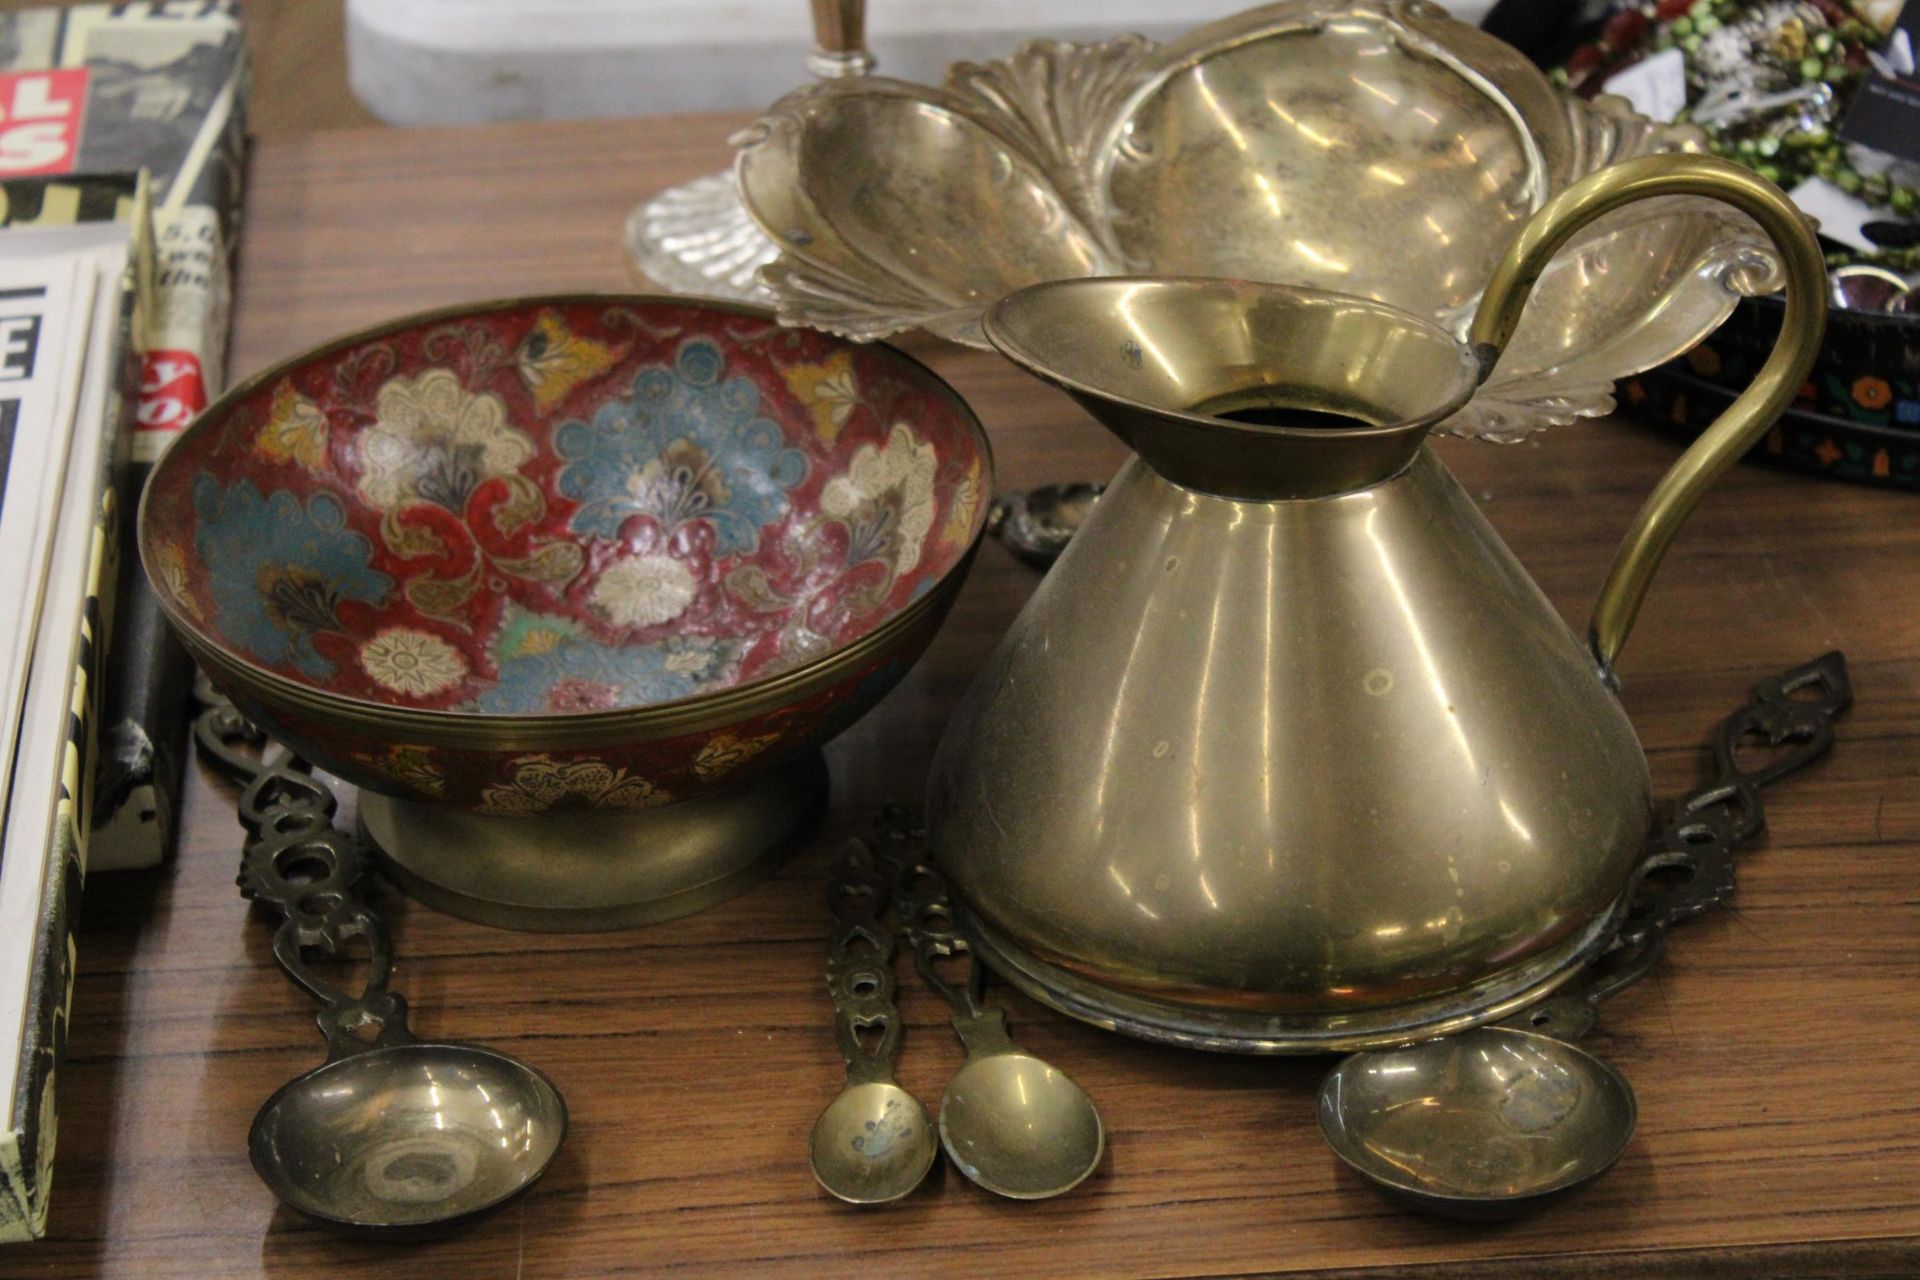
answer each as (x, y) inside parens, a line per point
(1325, 769)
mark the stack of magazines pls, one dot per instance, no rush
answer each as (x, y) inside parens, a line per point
(89, 90)
(73, 296)
(121, 131)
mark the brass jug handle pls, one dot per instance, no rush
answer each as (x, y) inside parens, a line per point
(1746, 419)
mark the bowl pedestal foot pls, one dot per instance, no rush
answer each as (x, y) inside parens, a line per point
(581, 871)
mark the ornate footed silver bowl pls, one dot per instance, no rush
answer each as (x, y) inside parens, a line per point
(1377, 148)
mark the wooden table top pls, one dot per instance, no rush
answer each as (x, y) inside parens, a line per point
(1775, 1052)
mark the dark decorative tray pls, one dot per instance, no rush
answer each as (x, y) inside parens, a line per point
(1868, 371)
(1865, 452)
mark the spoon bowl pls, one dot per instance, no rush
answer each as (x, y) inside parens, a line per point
(873, 1144)
(1487, 1124)
(1020, 1127)
(408, 1140)
(1037, 525)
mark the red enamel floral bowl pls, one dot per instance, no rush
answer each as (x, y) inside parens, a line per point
(567, 552)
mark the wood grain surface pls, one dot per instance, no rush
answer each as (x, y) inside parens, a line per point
(1776, 1052)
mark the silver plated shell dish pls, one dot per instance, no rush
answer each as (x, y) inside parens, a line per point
(1372, 147)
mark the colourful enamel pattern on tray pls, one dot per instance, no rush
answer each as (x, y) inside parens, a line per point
(1803, 440)
(567, 552)
(1868, 372)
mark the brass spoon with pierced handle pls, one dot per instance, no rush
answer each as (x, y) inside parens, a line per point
(1495, 1121)
(874, 1143)
(392, 1137)
(1013, 1123)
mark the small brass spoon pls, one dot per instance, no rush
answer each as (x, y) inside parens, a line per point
(874, 1143)
(1014, 1124)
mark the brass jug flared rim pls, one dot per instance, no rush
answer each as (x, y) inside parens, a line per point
(1161, 360)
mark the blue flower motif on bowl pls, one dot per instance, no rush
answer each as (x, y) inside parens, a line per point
(280, 570)
(688, 444)
(552, 665)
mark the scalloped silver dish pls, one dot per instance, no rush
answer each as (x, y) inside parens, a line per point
(1372, 147)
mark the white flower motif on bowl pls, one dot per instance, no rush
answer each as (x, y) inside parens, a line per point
(416, 663)
(437, 442)
(886, 500)
(644, 591)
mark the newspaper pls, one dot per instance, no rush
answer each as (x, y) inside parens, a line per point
(93, 89)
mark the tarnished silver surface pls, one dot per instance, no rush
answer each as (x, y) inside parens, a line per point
(1373, 147)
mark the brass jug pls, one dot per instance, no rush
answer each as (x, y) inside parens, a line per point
(1287, 753)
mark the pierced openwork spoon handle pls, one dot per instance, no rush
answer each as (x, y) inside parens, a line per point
(860, 958)
(924, 904)
(296, 861)
(1689, 866)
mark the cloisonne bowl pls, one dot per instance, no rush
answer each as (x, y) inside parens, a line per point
(626, 561)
